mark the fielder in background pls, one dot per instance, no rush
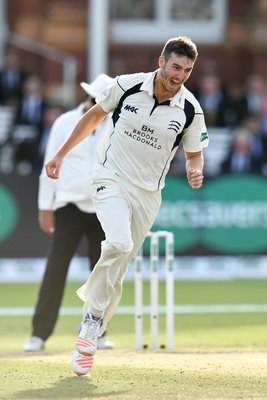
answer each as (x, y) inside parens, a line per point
(152, 114)
(67, 213)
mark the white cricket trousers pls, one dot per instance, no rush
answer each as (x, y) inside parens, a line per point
(126, 214)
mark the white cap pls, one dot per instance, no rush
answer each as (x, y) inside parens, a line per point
(95, 88)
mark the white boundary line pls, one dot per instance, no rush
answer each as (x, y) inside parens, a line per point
(123, 310)
(186, 268)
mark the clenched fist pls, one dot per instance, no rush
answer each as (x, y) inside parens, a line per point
(195, 178)
(53, 167)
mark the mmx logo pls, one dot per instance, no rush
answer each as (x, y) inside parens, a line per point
(175, 126)
(131, 108)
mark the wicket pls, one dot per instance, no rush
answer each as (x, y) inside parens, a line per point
(154, 290)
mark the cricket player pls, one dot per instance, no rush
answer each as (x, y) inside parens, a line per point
(153, 113)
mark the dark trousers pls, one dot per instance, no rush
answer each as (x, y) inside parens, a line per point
(71, 225)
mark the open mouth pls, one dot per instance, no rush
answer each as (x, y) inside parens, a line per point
(175, 82)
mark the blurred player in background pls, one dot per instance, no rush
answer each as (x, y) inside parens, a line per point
(152, 114)
(67, 213)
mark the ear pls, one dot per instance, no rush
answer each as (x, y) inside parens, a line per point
(161, 61)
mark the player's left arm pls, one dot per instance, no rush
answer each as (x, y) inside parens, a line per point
(194, 168)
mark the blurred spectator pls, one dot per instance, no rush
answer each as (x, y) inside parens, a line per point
(210, 95)
(32, 105)
(253, 125)
(29, 124)
(12, 78)
(218, 106)
(251, 101)
(240, 158)
(263, 116)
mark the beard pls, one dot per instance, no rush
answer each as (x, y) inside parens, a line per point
(169, 83)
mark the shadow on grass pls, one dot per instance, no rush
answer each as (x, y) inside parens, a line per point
(68, 388)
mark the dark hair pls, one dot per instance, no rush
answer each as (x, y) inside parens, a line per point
(181, 45)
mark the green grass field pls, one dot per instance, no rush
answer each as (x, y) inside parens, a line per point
(216, 356)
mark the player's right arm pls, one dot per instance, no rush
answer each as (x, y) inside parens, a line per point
(84, 127)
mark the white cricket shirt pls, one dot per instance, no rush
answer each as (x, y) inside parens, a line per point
(146, 134)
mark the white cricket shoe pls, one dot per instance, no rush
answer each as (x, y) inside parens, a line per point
(103, 343)
(81, 364)
(86, 342)
(35, 343)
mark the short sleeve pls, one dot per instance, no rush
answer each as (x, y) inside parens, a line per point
(110, 97)
(196, 137)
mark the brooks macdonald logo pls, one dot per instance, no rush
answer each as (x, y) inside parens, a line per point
(145, 136)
